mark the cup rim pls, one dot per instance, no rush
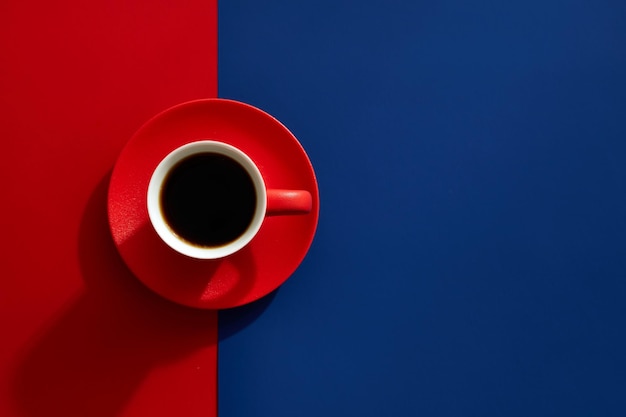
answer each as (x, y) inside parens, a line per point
(155, 213)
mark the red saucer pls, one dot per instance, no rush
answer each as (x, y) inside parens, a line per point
(274, 253)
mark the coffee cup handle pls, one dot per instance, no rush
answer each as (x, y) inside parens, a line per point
(286, 202)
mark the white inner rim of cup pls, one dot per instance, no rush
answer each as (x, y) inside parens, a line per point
(157, 218)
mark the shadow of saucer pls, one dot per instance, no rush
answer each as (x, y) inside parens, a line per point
(233, 320)
(95, 356)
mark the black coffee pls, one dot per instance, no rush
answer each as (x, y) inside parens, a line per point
(208, 199)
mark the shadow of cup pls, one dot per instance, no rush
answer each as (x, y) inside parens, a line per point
(93, 357)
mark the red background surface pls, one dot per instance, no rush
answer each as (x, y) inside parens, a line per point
(81, 336)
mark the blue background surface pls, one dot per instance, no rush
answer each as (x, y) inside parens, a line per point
(470, 257)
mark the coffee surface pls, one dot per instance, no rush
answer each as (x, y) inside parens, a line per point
(208, 199)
